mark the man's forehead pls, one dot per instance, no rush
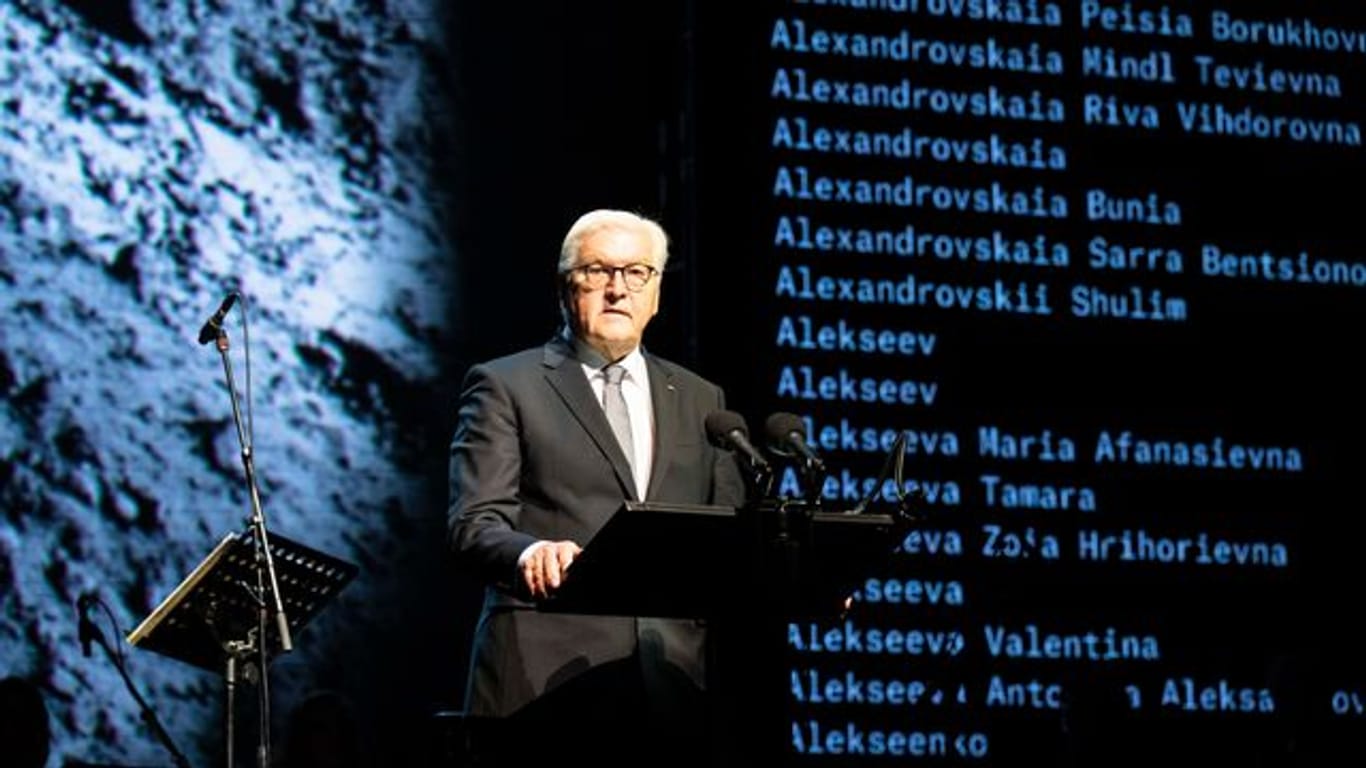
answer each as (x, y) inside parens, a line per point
(615, 244)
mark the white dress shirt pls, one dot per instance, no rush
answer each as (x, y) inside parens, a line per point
(635, 388)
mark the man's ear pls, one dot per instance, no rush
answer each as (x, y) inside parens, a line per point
(563, 289)
(659, 293)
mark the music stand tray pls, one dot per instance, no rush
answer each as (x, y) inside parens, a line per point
(215, 604)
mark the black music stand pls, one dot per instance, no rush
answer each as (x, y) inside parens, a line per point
(214, 618)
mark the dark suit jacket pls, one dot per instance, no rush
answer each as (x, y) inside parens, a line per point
(534, 458)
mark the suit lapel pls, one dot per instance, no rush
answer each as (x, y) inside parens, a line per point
(565, 376)
(664, 399)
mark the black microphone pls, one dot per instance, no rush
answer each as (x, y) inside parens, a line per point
(85, 627)
(787, 435)
(211, 326)
(727, 430)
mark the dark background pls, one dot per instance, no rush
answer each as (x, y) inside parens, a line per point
(525, 118)
(1256, 362)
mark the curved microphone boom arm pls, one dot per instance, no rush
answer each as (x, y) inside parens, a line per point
(90, 633)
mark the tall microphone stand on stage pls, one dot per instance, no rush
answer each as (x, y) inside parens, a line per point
(256, 644)
(220, 616)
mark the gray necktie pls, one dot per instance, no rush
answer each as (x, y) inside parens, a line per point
(615, 405)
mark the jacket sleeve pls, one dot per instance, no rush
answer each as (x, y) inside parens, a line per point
(484, 475)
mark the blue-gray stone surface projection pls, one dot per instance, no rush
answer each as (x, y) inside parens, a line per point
(155, 155)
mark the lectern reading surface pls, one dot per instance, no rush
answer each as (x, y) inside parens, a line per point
(217, 604)
(694, 561)
(653, 560)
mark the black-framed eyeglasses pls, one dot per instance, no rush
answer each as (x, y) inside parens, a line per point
(597, 276)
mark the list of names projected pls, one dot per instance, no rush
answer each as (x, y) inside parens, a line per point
(1088, 260)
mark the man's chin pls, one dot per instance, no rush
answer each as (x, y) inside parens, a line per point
(614, 347)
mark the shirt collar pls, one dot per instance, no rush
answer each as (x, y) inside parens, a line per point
(634, 362)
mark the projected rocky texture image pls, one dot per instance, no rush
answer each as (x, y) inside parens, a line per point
(155, 157)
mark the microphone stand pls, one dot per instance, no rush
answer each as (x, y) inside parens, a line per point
(760, 479)
(92, 631)
(265, 572)
(812, 470)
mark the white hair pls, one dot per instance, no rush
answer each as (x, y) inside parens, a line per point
(606, 219)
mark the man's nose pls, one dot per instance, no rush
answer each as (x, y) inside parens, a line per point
(616, 283)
